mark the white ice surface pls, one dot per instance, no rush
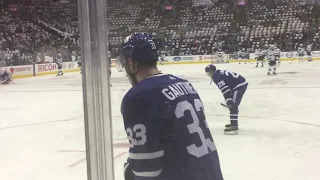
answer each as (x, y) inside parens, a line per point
(42, 128)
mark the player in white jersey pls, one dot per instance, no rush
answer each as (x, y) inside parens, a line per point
(277, 53)
(272, 60)
(309, 50)
(6, 76)
(59, 63)
(161, 60)
(301, 52)
(242, 56)
(259, 56)
(220, 56)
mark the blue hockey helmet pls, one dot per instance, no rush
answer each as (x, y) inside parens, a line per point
(210, 68)
(140, 48)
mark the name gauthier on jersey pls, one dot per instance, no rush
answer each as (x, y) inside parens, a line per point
(176, 90)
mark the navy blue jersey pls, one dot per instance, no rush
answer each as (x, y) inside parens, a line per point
(228, 81)
(167, 131)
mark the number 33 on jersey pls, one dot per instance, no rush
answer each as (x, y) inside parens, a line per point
(169, 137)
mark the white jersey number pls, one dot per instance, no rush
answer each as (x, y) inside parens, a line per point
(140, 133)
(194, 127)
(235, 75)
(152, 44)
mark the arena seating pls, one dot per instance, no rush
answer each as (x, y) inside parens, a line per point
(38, 26)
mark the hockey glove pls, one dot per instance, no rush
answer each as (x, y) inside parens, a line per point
(128, 174)
(229, 103)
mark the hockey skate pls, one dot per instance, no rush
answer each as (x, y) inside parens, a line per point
(229, 125)
(231, 130)
(8, 81)
(269, 73)
(274, 73)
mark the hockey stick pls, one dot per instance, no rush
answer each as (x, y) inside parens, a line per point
(224, 105)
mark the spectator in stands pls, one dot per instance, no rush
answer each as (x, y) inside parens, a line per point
(15, 60)
(2, 62)
(44, 25)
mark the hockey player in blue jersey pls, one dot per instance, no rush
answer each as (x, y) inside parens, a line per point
(164, 120)
(233, 86)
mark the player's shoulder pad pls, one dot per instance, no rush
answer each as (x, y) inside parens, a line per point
(218, 75)
(219, 72)
(131, 99)
(130, 94)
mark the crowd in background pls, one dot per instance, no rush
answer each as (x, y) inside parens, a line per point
(33, 29)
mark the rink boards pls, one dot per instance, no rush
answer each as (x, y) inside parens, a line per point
(52, 68)
(229, 58)
(41, 69)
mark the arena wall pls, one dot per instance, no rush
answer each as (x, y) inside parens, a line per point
(41, 69)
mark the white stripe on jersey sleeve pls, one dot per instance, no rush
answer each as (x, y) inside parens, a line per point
(148, 173)
(224, 88)
(142, 156)
(225, 91)
(239, 85)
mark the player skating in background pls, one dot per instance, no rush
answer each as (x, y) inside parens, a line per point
(163, 56)
(301, 52)
(265, 49)
(164, 120)
(272, 60)
(247, 55)
(161, 60)
(259, 57)
(242, 56)
(220, 56)
(233, 86)
(277, 53)
(309, 51)
(59, 63)
(6, 76)
(79, 65)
